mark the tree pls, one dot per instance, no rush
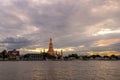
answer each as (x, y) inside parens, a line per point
(95, 56)
(85, 57)
(49, 56)
(4, 54)
(114, 56)
(73, 55)
(106, 57)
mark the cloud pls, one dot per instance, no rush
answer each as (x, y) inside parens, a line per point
(15, 43)
(106, 31)
(95, 28)
(73, 25)
(107, 42)
(109, 6)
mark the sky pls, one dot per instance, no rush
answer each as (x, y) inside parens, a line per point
(76, 26)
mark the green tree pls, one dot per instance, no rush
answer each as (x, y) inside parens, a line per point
(73, 55)
(114, 56)
(85, 57)
(95, 56)
(49, 56)
(4, 54)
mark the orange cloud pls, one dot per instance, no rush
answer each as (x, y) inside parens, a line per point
(106, 42)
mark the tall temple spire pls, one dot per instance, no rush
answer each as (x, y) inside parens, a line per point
(51, 50)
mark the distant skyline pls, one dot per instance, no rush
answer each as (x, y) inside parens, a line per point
(76, 26)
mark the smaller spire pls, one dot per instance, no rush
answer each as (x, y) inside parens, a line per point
(41, 51)
(56, 52)
(61, 52)
(44, 50)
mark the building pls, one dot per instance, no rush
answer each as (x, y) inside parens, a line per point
(14, 55)
(33, 56)
(54, 53)
(51, 50)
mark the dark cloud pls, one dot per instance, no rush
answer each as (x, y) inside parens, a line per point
(15, 40)
(16, 43)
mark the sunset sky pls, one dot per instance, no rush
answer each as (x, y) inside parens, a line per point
(79, 26)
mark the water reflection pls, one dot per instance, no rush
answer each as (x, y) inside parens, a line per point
(60, 70)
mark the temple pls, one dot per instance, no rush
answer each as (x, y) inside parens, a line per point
(51, 50)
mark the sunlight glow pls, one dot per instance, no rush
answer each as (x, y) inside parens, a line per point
(106, 31)
(39, 50)
(104, 53)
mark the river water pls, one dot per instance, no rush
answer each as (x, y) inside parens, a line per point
(60, 70)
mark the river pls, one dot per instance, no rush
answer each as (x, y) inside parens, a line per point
(59, 70)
